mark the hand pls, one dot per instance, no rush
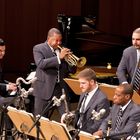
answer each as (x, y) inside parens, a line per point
(64, 52)
(98, 133)
(12, 87)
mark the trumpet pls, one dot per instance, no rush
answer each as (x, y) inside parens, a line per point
(73, 60)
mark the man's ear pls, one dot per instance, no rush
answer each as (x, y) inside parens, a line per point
(127, 96)
(92, 82)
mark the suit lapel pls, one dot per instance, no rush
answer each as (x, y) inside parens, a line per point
(47, 50)
(125, 114)
(92, 101)
(134, 54)
(80, 101)
(114, 115)
(127, 111)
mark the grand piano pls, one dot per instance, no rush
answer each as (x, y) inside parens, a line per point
(82, 35)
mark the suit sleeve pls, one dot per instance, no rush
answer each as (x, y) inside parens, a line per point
(44, 61)
(96, 123)
(122, 70)
(3, 89)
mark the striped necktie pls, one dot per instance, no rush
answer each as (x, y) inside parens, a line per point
(118, 120)
(136, 82)
(58, 73)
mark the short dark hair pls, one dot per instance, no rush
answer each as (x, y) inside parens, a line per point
(127, 89)
(52, 31)
(2, 43)
(88, 74)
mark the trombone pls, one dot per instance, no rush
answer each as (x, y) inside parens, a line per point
(73, 60)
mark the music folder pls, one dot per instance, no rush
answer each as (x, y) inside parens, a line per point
(86, 136)
(49, 130)
(54, 130)
(23, 121)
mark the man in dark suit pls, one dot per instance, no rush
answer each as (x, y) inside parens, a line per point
(128, 64)
(48, 59)
(5, 99)
(124, 115)
(4, 85)
(91, 99)
(96, 100)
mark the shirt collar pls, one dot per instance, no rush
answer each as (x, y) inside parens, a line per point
(91, 93)
(125, 106)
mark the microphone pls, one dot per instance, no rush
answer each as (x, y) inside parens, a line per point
(57, 102)
(108, 127)
(97, 115)
(137, 133)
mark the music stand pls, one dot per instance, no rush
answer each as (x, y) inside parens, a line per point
(108, 89)
(53, 130)
(23, 122)
(74, 85)
(86, 136)
(50, 130)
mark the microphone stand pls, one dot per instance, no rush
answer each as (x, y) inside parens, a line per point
(36, 121)
(4, 110)
(76, 133)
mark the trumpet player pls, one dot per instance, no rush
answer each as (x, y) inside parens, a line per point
(51, 69)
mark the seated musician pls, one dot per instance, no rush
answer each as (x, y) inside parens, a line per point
(123, 116)
(5, 99)
(91, 99)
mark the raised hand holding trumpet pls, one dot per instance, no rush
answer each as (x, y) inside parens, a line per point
(70, 58)
(64, 53)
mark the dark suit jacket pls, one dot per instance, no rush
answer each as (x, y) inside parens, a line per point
(127, 65)
(4, 96)
(3, 91)
(97, 102)
(130, 117)
(47, 70)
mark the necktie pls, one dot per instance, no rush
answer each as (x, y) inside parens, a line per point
(118, 120)
(58, 74)
(136, 83)
(82, 110)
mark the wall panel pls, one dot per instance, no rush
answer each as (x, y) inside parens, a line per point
(25, 23)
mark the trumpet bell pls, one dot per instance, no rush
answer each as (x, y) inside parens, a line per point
(81, 62)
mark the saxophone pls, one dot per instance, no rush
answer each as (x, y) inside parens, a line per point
(19, 102)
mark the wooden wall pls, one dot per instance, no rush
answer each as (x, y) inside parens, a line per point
(119, 17)
(24, 23)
